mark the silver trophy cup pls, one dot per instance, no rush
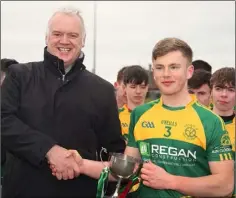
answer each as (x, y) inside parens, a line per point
(122, 167)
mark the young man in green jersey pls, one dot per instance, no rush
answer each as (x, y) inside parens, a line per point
(135, 85)
(223, 97)
(186, 147)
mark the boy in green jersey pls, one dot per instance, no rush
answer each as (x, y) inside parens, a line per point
(185, 145)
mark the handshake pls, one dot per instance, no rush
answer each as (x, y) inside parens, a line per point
(65, 164)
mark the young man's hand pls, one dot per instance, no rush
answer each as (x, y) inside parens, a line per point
(156, 177)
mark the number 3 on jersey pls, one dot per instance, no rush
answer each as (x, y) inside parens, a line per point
(168, 131)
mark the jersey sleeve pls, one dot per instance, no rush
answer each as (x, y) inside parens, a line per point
(219, 147)
(131, 139)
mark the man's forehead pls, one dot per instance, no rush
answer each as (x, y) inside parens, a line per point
(202, 87)
(171, 58)
(195, 91)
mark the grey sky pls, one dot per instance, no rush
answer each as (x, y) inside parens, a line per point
(126, 31)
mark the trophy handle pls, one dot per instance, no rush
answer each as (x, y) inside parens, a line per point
(137, 172)
(105, 151)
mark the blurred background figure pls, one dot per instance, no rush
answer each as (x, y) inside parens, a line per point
(199, 85)
(202, 65)
(223, 98)
(5, 63)
(135, 86)
(120, 93)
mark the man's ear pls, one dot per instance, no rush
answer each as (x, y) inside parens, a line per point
(116, 84)
(83, 42)
(46, 39)
(190, 71)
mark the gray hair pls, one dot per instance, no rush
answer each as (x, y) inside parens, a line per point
(69, 11)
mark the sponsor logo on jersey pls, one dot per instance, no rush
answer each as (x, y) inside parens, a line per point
(167, 154)
(144, 148)
(173, 151)
(221, 149)
(147, 124)
(169, 122)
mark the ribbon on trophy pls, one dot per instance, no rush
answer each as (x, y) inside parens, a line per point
(101, 182)
(122, 167)
(129, 187)
(132, 185)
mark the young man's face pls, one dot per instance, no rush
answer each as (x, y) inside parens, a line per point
(203, 94)
(136, 94)
(223, 97)
(171, 73)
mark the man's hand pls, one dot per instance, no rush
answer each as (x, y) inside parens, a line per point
(64, 163)
(155, 177)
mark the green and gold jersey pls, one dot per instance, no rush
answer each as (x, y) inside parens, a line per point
(230, 127)
(181, 140)
(124, 115)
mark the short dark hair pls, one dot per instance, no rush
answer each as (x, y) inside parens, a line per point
(200, 64)
(120, 75)
(199, 78)
(135, 74)
(167, 45)
(6, 63)
(223, 76)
